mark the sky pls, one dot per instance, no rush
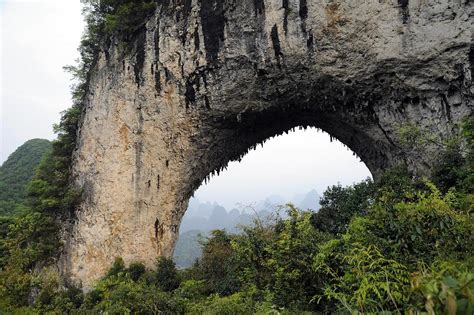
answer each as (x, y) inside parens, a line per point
(286, 166)
(39, 37)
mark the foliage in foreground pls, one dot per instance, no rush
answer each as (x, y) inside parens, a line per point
(397, 254)
(401, 245)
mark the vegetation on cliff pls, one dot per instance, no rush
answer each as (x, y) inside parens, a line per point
(31, 241)
(121, 18)
(106, 20)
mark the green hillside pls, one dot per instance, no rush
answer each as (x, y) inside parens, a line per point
(17, 171)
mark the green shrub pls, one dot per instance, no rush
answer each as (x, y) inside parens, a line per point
(121, 18)
(218, 264)
(192, 289)
(65, 301)
(252, 250)
(136, 270)
(339, 204)
(293, 282)
(121, 295)
(369, 281)
(234, 304)
(126, 18)
(444, 287)
(368, 269)
(420, 229)
(117, 268)
(166, 274)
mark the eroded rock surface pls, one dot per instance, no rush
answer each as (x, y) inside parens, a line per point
(210, 79)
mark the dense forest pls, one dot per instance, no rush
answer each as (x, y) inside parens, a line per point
(402, 244)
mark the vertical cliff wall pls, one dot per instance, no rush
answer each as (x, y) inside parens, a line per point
(207, 80)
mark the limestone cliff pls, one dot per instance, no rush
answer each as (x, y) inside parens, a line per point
(209, 79)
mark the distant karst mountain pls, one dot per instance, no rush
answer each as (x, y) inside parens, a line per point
(17, 171)
(201, 218)
(188, 248)
(310, 201)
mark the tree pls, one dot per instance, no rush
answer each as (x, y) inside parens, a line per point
(368, 268)
(136, 270)
(218, 264)
(166, 274)
(295, 243)
(339, 204)
(121, 18)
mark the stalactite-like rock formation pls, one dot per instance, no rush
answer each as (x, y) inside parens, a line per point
(208, 80)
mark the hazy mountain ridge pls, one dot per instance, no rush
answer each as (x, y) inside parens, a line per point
(188, 248)
(202, 218)
(207, 216)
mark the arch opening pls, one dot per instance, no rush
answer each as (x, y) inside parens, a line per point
(295, 167)
(231, 137)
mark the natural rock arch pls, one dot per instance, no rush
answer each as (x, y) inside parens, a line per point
(210, 79)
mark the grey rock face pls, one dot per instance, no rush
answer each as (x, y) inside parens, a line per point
(210, 79)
